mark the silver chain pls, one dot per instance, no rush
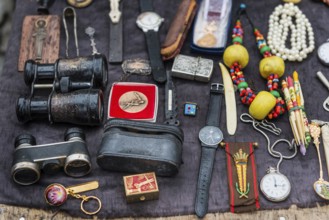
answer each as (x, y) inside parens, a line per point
(246, 118)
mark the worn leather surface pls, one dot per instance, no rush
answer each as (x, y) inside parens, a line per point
(204, 180)
(178, 29)
(139, 147)
(177, 194)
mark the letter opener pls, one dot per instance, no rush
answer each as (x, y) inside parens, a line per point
(230, 103)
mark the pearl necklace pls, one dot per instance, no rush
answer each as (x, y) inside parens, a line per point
(280, 23)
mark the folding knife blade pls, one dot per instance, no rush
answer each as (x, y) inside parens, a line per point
(171, 102)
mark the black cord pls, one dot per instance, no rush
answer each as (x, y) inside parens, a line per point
(248, 18)
(243, 10)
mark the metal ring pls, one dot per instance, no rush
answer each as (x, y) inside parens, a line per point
(326, 104)
(79, 3)
(86, 200)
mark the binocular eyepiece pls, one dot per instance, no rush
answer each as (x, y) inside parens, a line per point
(81, 69)
(29, 159)
(84, 107)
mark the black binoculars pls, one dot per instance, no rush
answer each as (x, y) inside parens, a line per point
(77, 73)
(30, 159)
(75, 91)
(84, 107)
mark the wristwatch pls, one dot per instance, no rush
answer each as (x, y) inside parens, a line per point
(210, 136)
(150, 22)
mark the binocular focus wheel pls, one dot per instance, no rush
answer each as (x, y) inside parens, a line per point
(25, 173)
(74, 132)
(77, 165)
(51, 166)
(25, 139)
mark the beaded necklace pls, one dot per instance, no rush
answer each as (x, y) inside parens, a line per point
(236, 57)
(289, 17)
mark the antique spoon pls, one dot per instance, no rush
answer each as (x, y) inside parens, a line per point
(320, 186)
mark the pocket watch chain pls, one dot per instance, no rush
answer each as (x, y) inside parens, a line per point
(246, 118)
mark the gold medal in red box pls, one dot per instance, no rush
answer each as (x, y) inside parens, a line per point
(135, 101)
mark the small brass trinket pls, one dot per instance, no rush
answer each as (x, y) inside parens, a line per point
(141, 187)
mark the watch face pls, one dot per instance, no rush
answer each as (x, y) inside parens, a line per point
(323, 53)
(149, 21)
(275, 186)
(210, 135)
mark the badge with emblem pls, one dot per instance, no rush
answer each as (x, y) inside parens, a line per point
(241, 161)
(135, 101)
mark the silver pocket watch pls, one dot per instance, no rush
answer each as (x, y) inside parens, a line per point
(323, 53)
(275, 186)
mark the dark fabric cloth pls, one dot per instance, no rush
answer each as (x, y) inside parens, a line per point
(177, 194)
(239, 203)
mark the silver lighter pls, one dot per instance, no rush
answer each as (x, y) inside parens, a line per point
(192, 68)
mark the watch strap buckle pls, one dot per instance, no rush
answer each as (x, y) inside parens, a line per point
(217, 87)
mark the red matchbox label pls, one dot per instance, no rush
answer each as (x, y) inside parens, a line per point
(141, 183)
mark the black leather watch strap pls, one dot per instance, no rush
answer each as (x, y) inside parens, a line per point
(204, 180)
(116, 40)
(153, 46)
(215, 103)
(146, 5)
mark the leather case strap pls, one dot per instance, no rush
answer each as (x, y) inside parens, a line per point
(146, 5)
(215, 103)
(204, 180)
(153, 46)
(116, 40)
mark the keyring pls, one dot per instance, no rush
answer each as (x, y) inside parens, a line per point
(57, 194)
(88, 198)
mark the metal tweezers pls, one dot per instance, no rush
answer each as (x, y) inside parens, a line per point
(69, 12)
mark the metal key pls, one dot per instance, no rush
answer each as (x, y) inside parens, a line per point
(90, 31)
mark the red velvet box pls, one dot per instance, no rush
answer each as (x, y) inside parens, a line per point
(136, 101)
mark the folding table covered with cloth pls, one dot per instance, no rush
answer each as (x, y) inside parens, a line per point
(177, 194)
